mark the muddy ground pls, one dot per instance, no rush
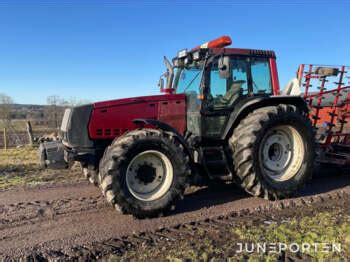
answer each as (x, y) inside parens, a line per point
(72, 220)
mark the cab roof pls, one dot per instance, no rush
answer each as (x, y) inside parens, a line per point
(242, 51)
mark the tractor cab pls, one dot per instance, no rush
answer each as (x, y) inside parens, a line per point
(217, 80)
(231, 70)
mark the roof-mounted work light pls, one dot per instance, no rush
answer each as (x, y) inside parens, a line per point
(216, 43)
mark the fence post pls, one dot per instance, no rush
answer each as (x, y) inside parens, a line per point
(5, 139)
(30, 133)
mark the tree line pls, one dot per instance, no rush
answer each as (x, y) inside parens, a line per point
(49, 115)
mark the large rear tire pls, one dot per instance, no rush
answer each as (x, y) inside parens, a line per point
(144, 172)
(273, 151)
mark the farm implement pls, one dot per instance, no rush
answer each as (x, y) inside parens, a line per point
(326, 90)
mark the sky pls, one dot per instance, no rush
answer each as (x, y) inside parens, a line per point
(102, 50)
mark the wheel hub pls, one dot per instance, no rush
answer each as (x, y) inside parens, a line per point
(281, 153)
(146, 173)
(149, 175)
(275, 152)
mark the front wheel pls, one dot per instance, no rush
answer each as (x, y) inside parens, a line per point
(144, 172)
(273, 151)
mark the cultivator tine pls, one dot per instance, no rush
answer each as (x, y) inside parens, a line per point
(308, 80)
(339, 95)
(335, 106)
(342, 121)
(320, 97)
(305, 84)
(324, 81)
(318, 107)
(344, 113)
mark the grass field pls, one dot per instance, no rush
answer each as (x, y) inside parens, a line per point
(19, 167)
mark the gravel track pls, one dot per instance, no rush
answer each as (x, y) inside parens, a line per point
(74, 221)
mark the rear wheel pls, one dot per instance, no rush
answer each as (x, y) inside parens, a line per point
(273, 151)
(144, 172)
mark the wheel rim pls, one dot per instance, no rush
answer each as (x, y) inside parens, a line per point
(281, 153)
(149, 175)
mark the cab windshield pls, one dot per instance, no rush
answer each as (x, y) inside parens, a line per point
(188, 79)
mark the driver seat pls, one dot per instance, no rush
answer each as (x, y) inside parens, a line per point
(234, 92)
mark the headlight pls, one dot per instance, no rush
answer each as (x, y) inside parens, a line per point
(188, 60)
(176, 62)
(182, 53)
(196, 55)
(65, 121)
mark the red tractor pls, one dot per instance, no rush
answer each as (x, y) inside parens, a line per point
(221, 117)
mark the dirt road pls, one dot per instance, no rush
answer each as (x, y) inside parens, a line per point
(61, 217)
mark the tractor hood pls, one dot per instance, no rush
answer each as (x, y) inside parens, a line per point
(111, 119)
(133, 100)
(83, 126)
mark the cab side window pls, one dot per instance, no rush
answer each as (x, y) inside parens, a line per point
(239, 75)
(261, 76)
(223, 92)
(217, 84)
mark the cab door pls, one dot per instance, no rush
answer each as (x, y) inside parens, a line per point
(223, 91)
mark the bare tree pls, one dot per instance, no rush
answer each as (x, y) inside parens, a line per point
(6, 103)
(54, 112)
(73, 101)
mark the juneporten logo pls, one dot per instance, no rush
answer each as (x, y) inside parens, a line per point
(276, 248)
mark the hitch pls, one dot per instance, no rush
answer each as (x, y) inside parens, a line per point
(52, 155)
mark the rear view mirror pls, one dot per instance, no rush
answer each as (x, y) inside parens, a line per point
(224, 67)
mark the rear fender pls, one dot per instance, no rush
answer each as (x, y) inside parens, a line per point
(243, 110)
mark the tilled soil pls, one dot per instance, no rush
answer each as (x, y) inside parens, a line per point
(74, 221)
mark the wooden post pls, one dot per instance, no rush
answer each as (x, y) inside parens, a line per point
(5, 139)
(30, 133)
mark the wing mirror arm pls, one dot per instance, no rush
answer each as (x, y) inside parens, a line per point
(203, 83)
(170, 73)
(161, 83)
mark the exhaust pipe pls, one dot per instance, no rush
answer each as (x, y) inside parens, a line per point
(52, 155)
